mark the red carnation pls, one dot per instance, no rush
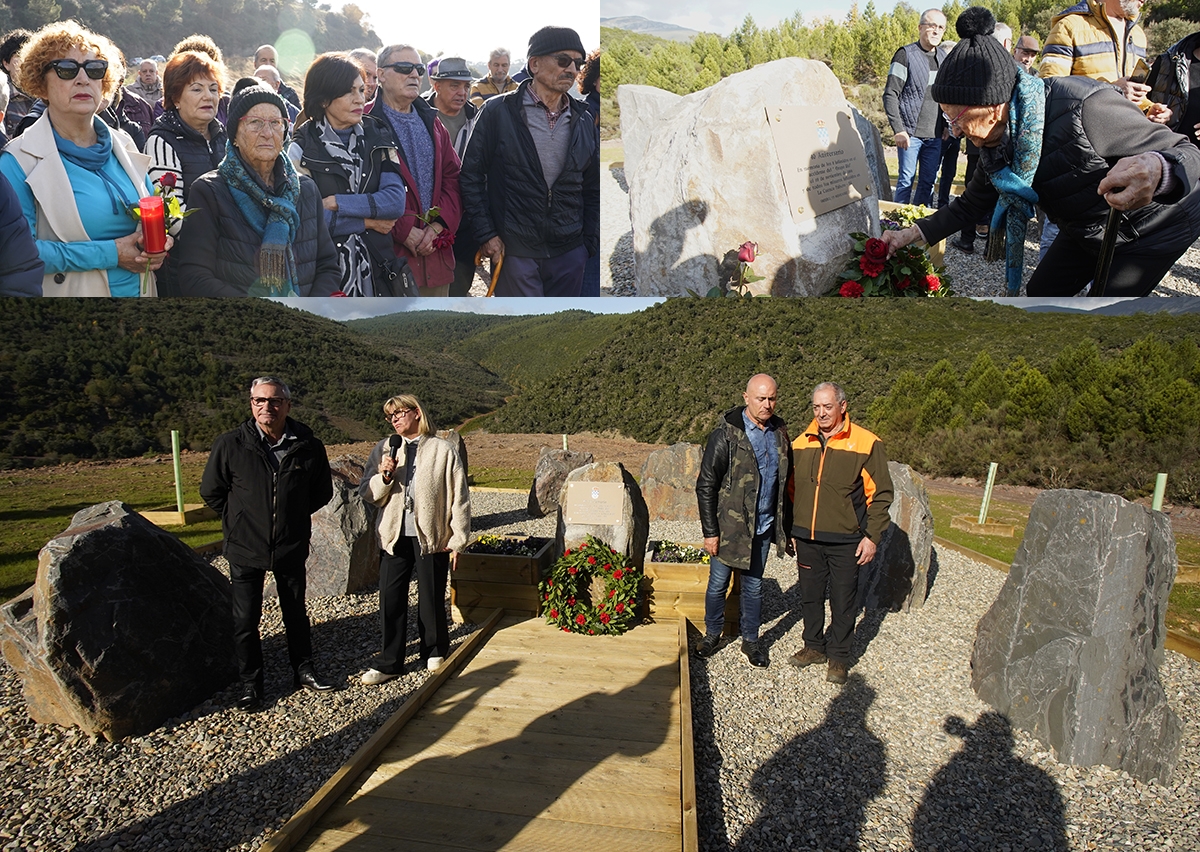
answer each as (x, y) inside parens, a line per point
(869, 267)
(571, 601)
(572, 570)
(567, 552)
(591, 560)
(613, 549)
(444, 240)
(604, 618)
(581, 619)
(554, 613)
(549, 584)
(607, 567)
(851, 290)
(747, 251)
(611, 592)
(620, 607)
(933, 283)
(591, 632)
(566, 630)
(547, 596)
(618, 574)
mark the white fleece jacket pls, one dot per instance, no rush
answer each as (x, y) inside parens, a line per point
(441, 499)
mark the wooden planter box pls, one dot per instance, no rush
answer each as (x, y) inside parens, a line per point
(672, 589)
(484, 581)
(936, 252)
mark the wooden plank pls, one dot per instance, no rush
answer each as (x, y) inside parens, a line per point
(295, 828)
(478, 615)
(606, 675)
(465, 828)
(676, 571)
(688, 824)
(578, 800)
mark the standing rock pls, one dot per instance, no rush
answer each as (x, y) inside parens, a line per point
(343, 553)
(124, 627)
(628, 536)
(669, 483)
(898, 577)
(548, 478)
(704, 176)
(1070, 649)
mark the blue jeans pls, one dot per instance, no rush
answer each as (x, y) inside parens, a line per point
(718, 581)
(926, 153)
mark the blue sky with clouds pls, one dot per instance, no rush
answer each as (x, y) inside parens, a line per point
(719, 17)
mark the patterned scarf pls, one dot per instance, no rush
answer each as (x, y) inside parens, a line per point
(273, 217)
(353, 259)
(1026, 115)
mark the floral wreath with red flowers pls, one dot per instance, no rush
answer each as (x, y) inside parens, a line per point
(563, 598)
(908, 272)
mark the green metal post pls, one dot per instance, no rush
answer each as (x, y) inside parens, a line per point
(987, 492)
(178, 470)
(1160, 489)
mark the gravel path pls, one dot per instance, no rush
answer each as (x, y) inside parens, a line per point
(970, 274)
(783, 760)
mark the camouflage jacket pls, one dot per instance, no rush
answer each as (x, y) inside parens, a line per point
(727, 489)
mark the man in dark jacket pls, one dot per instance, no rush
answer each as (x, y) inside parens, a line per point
(21, 269)
(744, 506)
(266, 478)
(531, 180)
(842, 491)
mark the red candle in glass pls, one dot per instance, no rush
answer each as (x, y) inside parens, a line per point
(154, 226)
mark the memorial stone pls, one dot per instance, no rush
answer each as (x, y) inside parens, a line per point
(1071, 647)
(548, 478)
(627, 532)
(669, 483)
(726, 182)
(898, 577)
(124, 628)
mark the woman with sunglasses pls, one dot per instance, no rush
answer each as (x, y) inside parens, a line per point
(429, 168)
(75, 177)
(257, 228)
(352, 158)
(420, 486)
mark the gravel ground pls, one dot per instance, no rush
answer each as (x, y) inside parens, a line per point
(783, 760)
(970, 274)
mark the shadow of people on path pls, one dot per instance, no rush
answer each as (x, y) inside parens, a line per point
(987, 798)
(712, 832)
(815, 789)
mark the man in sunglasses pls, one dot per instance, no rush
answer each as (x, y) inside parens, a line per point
(266, 478)
(531, 177)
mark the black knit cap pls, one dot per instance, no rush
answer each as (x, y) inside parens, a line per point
(978, 71)
(549, 40)
(248, 92)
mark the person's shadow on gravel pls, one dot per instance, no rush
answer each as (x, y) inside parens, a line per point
(987, 798)
(815, 789)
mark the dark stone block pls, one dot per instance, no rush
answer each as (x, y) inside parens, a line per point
(548, 478)
(898, 577)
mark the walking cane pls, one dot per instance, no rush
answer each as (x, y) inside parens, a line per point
(1107, 248)
(496, 264)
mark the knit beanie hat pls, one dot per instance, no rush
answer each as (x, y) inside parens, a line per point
(248, 92)
(978, 71)
(549, 40)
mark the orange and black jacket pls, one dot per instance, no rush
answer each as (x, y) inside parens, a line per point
(841, 487)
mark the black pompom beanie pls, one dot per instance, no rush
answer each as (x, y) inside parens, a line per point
(978, 71)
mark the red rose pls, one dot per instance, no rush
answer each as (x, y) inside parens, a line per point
(591, 560)
(851, 290)
(875, 250)
(572, 570)
(167, 179)
(604, 618)
(932, 283)
(618, 574)
(869, 267)
(444, 240)
(747, 251)
(554, 613)
(581, 619)
(620, 607)
(903, 284)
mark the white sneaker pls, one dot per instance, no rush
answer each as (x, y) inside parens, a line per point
(373, 676)
(434, 663)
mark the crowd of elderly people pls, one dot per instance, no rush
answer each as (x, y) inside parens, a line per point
(362, 184)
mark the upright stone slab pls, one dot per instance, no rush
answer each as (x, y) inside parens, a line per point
(629, 534)
(898, 577)
(548, 478)
(1070, 649)
(704, 176)
(669, 483)
(124, 627)
(343, 552)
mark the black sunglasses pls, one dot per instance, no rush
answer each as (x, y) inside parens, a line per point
(68, 69)
(565, 61)
(405, 67)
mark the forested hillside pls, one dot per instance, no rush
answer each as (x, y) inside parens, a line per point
(110, 378)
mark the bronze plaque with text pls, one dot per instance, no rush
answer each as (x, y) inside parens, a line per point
(821, 156)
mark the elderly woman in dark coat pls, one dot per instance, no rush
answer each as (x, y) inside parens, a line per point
(258, 227)
(1077, 148)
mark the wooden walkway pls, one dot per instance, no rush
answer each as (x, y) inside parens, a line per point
(543, 741)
